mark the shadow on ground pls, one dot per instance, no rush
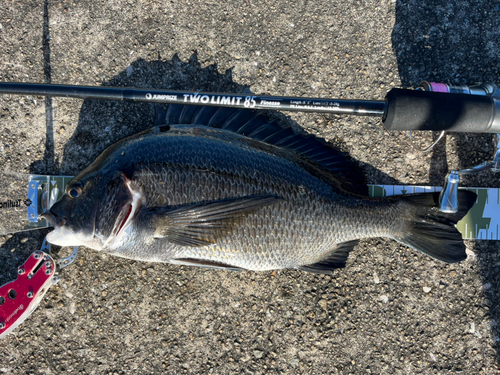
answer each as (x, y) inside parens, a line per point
(432, 41)
(101, 123)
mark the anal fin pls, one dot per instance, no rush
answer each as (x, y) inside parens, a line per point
(336, 259)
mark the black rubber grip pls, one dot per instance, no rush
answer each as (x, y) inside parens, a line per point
(437, 111)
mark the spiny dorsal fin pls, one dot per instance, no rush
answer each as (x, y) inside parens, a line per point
(251, 124)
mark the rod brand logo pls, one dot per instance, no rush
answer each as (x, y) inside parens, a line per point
(15, 203)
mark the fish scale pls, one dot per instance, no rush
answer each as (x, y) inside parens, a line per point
(192, 194)
(231, 179)
(303, 235)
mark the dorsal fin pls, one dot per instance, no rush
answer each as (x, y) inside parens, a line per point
(252, 124)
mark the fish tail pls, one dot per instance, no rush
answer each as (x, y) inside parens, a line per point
(432, 231)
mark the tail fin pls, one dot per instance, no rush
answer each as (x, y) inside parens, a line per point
(433, 232)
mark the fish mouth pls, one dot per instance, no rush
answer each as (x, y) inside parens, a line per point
(65, 232)
(54, 220)
(61, 235)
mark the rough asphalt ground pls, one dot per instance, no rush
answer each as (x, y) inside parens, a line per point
(114, 316)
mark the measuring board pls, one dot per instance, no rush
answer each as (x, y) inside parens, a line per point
(481, 223)
(24, 197)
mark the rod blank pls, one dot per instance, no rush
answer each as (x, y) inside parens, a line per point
(335, 106)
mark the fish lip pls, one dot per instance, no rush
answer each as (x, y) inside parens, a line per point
(51, 219)
(58, 222)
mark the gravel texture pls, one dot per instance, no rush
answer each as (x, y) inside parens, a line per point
(390, 311)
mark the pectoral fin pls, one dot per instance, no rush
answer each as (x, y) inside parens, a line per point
(203, 224)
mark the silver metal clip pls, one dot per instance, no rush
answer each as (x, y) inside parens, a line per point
(448, 199)
(62, 262)
(496, 156)
(433, 144)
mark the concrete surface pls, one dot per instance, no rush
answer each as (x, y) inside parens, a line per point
(113, 316)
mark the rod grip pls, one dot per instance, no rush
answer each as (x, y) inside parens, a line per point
(436, 111)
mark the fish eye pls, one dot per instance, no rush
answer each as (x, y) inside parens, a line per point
(75, 190)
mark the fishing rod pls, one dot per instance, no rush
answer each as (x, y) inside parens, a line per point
(433, 106)
(473, 109)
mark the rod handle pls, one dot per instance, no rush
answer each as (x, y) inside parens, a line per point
(436, 111)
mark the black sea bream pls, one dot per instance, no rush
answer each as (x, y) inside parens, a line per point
(226, 188)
